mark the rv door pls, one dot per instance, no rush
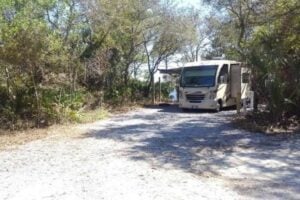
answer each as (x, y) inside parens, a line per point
(235, 80)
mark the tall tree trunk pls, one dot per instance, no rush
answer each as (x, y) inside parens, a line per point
(153, 88)
(7, 82)
(8, 89)
(36, 96)
(74, 77)
(149, 86)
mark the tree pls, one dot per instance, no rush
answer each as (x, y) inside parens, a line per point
(274, 51)
(263, 34)
(56, 54)
(238, 18)
(196, 34)
(164, 39)
(24, 52)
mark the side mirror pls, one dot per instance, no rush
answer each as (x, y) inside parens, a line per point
(223, 79)
(180, 82)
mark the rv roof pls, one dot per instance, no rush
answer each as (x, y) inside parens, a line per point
(177, 70)
(209, 62)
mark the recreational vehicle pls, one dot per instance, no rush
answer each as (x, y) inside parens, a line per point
(213, 84)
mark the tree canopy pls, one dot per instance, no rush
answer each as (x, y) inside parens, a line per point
(60, 56)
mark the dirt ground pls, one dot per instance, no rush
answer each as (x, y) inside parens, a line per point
(153, 153)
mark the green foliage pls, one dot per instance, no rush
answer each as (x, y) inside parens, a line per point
(268, 40)
(277, 55)
(166, 88)
(138, 90)
(58, 58)
(61, 104)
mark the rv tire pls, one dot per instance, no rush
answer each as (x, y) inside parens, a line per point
(184, 109)
(219, 106)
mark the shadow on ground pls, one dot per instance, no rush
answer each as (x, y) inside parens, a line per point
(206, 145)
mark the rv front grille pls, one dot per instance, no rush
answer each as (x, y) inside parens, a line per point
(195, 98)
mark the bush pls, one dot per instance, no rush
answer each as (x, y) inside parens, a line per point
(274, 54)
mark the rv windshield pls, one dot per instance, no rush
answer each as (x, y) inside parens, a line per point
(202, 76)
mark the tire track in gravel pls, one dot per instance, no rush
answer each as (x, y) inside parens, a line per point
(158, 153)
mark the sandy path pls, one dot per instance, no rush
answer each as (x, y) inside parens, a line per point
(155, 154)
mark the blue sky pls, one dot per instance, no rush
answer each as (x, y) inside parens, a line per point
(196, 3)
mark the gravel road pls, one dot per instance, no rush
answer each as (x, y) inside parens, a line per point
(155, 153)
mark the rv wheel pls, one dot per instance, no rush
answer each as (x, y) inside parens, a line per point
(184, 109)
(219, 106)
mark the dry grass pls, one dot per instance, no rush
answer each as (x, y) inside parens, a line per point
(93, 115)
(12, 139)
(260, 123)
(124, 109)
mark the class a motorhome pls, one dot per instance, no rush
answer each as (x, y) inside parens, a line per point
(213, 84)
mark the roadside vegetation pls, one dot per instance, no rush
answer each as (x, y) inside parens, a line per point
(59, 59)
(265, 35)
(70, 60)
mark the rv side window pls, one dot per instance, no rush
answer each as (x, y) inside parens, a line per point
(245, 78)
(223, 77)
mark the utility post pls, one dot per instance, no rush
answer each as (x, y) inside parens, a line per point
(153, 89)
(235, 77)
(159, 97)
(238, 103)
